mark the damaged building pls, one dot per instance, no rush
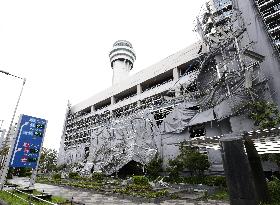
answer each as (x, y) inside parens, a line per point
(200, 91)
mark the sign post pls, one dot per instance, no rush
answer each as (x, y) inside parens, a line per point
(34, 171)
(26, 146)
(5, 169)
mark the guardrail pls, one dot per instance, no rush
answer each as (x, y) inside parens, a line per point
(30, 196)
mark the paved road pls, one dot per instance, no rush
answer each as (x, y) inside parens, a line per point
(90, 198)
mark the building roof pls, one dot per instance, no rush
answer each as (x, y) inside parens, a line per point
(185, 55)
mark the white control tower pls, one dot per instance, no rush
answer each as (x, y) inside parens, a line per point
(122, 57)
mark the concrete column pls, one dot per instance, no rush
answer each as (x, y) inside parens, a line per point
(139, 91)
(176, 73)
(176, 76)
(113, 100)
(237, 171)
(257, 171)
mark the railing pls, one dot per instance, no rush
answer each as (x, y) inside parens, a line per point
(30, 197)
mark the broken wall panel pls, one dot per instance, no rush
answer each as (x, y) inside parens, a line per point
(202, 97)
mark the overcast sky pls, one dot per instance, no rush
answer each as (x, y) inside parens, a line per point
(62, 47)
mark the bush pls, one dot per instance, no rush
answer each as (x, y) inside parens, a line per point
(175, 167)
(154, 167)
(98, 176)
(220, 195)
(160, 193)
(61, 167)
(56, 176)
(140, 180)
(138, 187)
(273, 157)
(197, 163)
(22, 172)
(188, 158)
(215, 181)
(194, 180)
(274, 189)
(10, 173)
(264, 114)
(74, 175)
(219, 181)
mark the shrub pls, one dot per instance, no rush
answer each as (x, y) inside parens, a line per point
(215, 181)
(160, 193)
(188, 158)
(22, 172)
(273, 157)
(219, 181)
(207, 180)
(138, 187)
(154, 167)
(175, 166)
(74, 175)
(194, 180)
(264, 114)
(274, 189)
(98, 176)
(61, 167)
(56, 176)
(220, 195)
(197, 163)
(140, 180)
(10, 173)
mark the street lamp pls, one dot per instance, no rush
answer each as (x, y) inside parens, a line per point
(15, 110)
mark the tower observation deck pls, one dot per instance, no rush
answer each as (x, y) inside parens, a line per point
(122, 57)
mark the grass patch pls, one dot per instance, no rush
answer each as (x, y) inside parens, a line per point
(139, 187)
(13, 200)
(220, 195)
(85, 184)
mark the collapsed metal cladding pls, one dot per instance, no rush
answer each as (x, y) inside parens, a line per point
(198, 92)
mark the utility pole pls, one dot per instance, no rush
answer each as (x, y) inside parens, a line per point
(8, 136)
(18, 100)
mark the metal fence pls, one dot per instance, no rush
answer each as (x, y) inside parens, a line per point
(31, 197)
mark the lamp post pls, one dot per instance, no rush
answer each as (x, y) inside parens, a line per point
(15, 110)
(11, 123)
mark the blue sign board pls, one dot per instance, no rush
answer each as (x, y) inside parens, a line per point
(28, 142)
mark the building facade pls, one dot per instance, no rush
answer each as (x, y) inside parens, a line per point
(200, 91)
(269, 11)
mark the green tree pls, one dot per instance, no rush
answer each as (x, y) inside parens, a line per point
(265, 114)
(273, 157)
(189, 158)
(48, 160)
